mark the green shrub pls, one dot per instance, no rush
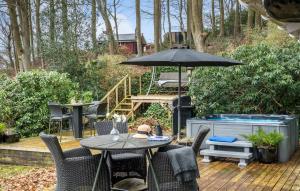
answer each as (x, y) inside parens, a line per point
(24, 100)
(269, 82)
(2, 128)
(159, 113)
(263, 139)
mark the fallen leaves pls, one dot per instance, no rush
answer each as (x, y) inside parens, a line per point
(37, 179)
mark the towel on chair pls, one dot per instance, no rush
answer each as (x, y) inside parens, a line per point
(184, 164)
(223, 139)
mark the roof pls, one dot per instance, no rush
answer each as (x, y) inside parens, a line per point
(129, 38)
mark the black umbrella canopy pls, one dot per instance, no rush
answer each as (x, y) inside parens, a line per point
(182, 57)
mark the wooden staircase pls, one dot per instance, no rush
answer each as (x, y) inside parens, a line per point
(118, 99)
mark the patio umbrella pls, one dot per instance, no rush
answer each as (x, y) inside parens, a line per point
(179, 58)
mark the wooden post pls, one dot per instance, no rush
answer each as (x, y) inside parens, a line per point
(108, 104)
(117, 95)
(129, 85)
(125, 88)
(140, 82)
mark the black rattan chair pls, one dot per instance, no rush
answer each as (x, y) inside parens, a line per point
(57, 116)
(95, 112)
(76, 168)
(123, 164)
(163, 168)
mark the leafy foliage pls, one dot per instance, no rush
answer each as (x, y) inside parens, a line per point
(269, 82)
(2, 128)
(263, 139)
(23, 101)
(159, 113)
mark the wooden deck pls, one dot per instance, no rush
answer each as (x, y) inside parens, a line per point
(225, 175)
(154, 98)
(217, 175)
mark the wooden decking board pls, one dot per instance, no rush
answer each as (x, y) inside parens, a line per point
(253, 175)
(279, 175)
(239, 178)
(292, 178)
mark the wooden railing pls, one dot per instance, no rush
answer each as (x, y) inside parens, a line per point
(119, 93)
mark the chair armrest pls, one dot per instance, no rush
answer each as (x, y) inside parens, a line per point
(169, 147)
(78, 152)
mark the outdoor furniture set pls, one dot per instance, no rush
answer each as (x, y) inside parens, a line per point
(59, 114)
(123, 158)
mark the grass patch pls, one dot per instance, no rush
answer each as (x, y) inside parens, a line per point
(7, 171)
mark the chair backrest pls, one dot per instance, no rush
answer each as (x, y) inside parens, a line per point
(53, 145)
(55, 109)
(199, 139)
(98, 108)
(104, 127)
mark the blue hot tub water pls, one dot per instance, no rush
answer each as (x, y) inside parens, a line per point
(243, 120)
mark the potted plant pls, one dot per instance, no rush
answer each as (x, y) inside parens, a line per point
(265, 145)
(2, 131)
(11, 136)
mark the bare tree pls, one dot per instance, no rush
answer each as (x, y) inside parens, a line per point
(31, 30)
(237, 19)
(169, 24)
(181, 24)
(157, 25)
(52, 22)
(189, 23)
(23, 14)
(38, 27)
(102, 7)
(258, 20)
(93, 24)
(65, 23)
(138, 27)
(213, 17)
(197, 25)
(222, 19)
(250, 19)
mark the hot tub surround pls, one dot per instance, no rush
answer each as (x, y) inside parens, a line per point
(240, 124)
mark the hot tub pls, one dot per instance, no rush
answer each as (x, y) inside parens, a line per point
(238, 124)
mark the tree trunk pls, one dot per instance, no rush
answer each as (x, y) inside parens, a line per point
(23, 14)
(156, 25)
(257, 20)
(181, 22)
(138, 28)
(52, 23)
(199, 35)
(250, 19)
(38, 27)
(93, 24)
(116, 20)
(222, 22)
(169, 24)
(189, 23)
(111, 39)
(31, 30)
(213, 18)
(237, 19)
(65, 23)
(16, 33)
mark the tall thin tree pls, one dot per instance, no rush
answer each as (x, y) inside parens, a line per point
(138, 27)
(93, 24)
(65, 23)
(52, 22)
(213, 17)
(222, 18)
(102, 7)
(169, 24)
(157, 25)
(250, 19)
(237, 19)
(38, 27)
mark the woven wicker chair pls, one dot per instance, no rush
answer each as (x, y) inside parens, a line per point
(76, 168)
(163, 168)
(123, 164)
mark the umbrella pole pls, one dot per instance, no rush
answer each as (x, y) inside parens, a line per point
(179, 102)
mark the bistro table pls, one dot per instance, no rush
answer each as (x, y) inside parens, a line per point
(106, 143)
(77, 117)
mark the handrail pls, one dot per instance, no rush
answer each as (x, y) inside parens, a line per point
(114, 88)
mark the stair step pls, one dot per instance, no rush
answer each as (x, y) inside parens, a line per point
(229, 154)
(125, 104)
(122, 109)
(245, 144)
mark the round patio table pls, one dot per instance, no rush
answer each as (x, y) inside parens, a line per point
(106, 143)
